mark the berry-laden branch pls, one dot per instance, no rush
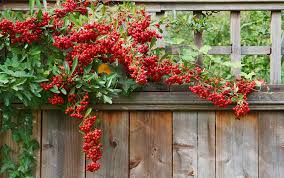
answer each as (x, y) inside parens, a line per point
(93, 51)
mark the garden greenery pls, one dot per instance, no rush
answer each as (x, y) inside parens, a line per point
(84, 53)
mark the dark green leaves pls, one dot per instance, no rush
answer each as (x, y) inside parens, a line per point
(21, 129)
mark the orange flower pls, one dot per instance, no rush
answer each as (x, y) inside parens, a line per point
(104, 68)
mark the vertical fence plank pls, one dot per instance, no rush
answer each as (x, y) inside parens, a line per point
(197, 37)
(271, 145)
(114, 163)
(150, 144)
(62, 155)
(236, 146)
(236, 40)
(184, 144)
(275, 57)
(6, 138)
(37, 135)
(206, 144)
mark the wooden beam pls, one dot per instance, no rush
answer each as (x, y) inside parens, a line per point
(275, 57)
(204, 1)
(197, 37)
(218, 6)
(227, 50)
(236, 40)
(206, 5)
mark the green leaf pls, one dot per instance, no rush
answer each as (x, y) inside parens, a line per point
(88, 112)
(38, 4)
(66, 67)
(7, 101)
(63, 91)
(16, 137)
(4, 79)
(39, 15)
(204, 49)
(107, 99)
(31, 5)
(74, 65)
(55, 89)
(88, 69)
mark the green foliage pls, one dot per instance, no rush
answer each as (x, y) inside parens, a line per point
(216, 32)
(20, 124)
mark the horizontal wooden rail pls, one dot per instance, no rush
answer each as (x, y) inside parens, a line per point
(182, 5)
(227, 50)
(176, 98)
(188, 101)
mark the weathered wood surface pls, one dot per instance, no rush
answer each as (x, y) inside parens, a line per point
(181, 100)
(6, 139)
(62, 155)
(235, 28)
(194, 144)
(236, 146)
(197, 37)
(37, 123)
(271, 145)
(195, 5)
(150, 144)
(206, 144)
(185, 144)
(115, 127)
(275, 57)
(227, 50)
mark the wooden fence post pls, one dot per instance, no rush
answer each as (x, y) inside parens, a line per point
(198, 37)
(275, 57)
(236, 40)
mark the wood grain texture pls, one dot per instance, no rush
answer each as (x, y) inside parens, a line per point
(62, 155)
(150, 144)
(226, 50)
(185, 145)
(139, 98)
(271, 145)
(275, 57)
(206, 5)
(236, 146)
(206, 144)
(199, 6)
(115, 141)
(37, 119)
(197, 37)
(6, 139)
(236, 40)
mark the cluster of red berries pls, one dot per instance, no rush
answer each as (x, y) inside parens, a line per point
(241, 109)
(139, 30)
(55, 81)
(56, 99)
(71, 6)
(130, 47)
(227, 93)
(27, 31)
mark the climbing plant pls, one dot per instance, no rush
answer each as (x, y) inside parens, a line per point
(80, 54)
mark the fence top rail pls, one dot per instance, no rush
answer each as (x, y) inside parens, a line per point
(205, 1)
(163, 5)
(209, 5)
(186, 5)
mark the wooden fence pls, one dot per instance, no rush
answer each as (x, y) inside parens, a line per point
(167, 132)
